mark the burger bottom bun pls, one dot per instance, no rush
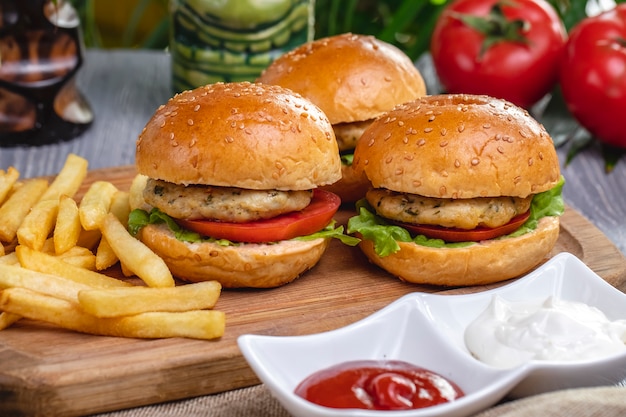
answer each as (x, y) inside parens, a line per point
(244, 266)
(351, 187)
(483, 263)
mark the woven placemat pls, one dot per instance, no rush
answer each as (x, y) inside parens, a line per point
(257, 401)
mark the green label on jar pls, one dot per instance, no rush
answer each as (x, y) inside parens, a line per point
(233, 40)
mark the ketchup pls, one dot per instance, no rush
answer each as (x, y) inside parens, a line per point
(377, 385)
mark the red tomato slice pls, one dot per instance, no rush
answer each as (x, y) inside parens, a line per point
(311, 219)
(453, 234)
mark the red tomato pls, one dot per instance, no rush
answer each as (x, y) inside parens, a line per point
(452, 234)
(509, 49)
(593, 75)
(311, 219)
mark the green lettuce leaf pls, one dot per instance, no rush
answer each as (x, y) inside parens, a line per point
(139, 218)
(386, 235)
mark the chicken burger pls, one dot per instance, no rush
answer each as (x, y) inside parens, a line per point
(353, 79)
(229, 176)
(465, 190)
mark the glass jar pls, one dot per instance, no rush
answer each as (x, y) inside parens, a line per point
(233, 40)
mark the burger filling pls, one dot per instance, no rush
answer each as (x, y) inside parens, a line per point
(467, 213)
(387, 218)
(347, 134)
(227, 204)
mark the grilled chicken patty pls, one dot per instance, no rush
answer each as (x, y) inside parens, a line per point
(347, 134)
(228, 204)
(462, 213)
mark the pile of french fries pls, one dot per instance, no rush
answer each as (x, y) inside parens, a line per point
(55, 251)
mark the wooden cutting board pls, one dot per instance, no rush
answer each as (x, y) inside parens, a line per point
(47, 371)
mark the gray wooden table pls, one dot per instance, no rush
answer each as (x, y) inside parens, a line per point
(124, 87)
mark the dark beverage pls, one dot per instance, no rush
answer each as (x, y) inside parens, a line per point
(40, 54)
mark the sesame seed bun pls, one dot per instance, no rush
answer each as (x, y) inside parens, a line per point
(458, 146)
(463, 148)
(242, 135)
(350, 77)
(245, 266)
(353, 79)
(485, 262)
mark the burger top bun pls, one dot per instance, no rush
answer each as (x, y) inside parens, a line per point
(350, 77)
(242, 135)
(466, 146)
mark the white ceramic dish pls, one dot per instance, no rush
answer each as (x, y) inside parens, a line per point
(427, 330)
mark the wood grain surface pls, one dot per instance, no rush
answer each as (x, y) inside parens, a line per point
(47, 371)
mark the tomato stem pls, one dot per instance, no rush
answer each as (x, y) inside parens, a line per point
(496, 27)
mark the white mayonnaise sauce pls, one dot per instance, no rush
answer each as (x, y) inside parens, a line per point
(508, 334)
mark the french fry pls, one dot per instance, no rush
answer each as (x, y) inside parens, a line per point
(120, 206)
(69, 179)
(95, 204)
(197, 324)
(135, 255)
(136, 200)
(79, 256)
(45, 263)
(12, 276)
(7, 179)
(17, 206)
(7, 319)
(38, 224)
(105, 256)
(67, 228)
(115, 302)
(9, 259)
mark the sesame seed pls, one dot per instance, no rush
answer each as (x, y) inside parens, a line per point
(443, 143)
(461, 128)
(196, 108)
(530, 162)
(399, 171)
(417, 183)
(523, 134)
(370, 143)
(421, 142)
(500, 149)
(389, 159)
(442, 190)
(475, 161)
(457, 163)
(190, 122)
(443, 131)
(428, 130)
(229, 139)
